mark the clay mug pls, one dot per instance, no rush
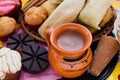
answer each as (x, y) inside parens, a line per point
(69, 50)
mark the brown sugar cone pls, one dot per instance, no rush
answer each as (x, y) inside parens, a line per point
(105, 51)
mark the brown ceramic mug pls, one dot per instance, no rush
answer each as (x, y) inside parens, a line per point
(69, 50)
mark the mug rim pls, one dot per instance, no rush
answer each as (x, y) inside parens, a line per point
(68, 53)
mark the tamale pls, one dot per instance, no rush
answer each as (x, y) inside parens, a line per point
(93, 12)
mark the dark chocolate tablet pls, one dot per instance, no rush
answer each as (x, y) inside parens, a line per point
(34, 59)
(17, 41)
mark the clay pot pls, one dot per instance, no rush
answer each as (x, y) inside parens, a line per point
(69, 64)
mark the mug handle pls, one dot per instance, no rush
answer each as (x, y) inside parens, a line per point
(47, 35)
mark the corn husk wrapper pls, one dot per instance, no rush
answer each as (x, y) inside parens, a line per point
(93, 12)
(56, 1)
(66, 12)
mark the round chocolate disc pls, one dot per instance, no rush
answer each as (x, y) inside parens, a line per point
(17, 41)
(34, 58)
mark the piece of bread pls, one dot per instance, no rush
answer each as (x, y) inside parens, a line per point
(10, 64)
(10, 8)
(35, 15)
(7, 26)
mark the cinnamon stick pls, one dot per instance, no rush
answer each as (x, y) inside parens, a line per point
(31, 3)
(26, 4)
(40, 2)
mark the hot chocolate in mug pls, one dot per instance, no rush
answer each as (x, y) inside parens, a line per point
(69, 50)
